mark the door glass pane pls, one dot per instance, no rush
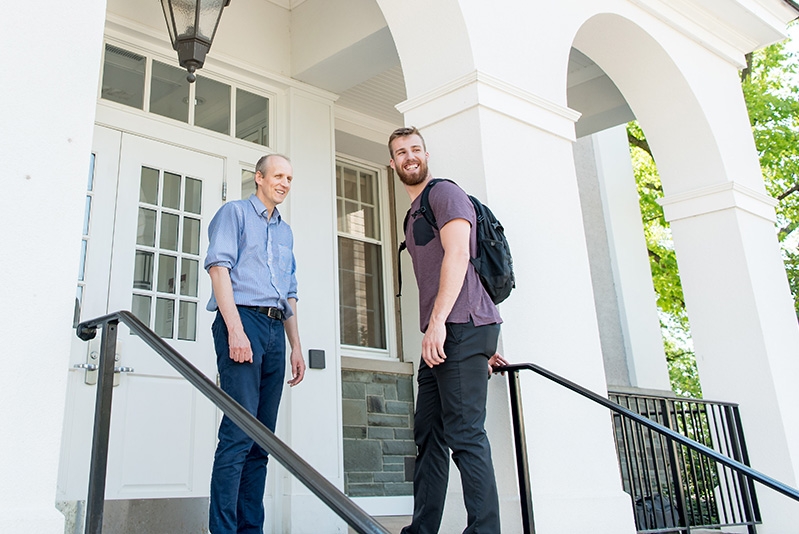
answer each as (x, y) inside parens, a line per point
(247, 183)
(123, 77)
(145, 231)
(191, 236)
(187, 321)
(82, 264)
(164, 317)
(86, 214)
(148, 186)
(212, 105)
(194, 195)
(252, 117)
(140, 307)
(78, 306)
(189, 272)
(167, 270)
(143, 270)
(169, 231)
(90, 186)
(178, 236)
(171, 191)
(361, 294)
(169, 92)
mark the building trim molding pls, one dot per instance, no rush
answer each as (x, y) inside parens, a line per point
(361, 125)
(713, 32)
(478, 89)
(716, 198)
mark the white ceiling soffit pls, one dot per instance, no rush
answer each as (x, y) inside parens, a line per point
(353, 65)
(377, 96)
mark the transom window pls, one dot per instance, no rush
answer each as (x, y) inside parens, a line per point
(362, 310)
(147, 84)
(167, 262)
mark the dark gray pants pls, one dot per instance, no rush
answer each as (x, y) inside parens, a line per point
(450, 415)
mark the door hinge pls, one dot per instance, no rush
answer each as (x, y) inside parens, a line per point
(224, 191)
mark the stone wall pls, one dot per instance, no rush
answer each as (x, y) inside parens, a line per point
(379, 450)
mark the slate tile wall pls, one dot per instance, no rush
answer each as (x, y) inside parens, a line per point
(379, 450)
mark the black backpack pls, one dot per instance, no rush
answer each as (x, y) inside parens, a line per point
(493, 263)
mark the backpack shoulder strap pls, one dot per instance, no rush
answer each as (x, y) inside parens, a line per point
(424, 205)
(402, 247)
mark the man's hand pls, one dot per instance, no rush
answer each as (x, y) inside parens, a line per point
(240, 349)
(496, 361)
(297, 367)
(433, 344)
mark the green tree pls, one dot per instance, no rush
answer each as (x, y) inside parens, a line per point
(665, 274)
(772, 99)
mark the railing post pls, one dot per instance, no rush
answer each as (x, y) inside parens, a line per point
(95, 500)
(674, 461)
(525, 495)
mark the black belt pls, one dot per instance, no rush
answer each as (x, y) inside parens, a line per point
(269, 311)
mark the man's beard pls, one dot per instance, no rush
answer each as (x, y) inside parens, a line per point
(416, 177)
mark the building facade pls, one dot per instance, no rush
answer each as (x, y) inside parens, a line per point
(120, 164)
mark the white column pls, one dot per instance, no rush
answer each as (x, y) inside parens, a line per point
(310, 418)
(514, 150)
(50, 69)
(632, 276)
(743, 325)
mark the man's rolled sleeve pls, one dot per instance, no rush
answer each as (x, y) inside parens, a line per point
(223, 232)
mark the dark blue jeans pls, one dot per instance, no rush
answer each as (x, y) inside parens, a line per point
(450, 415)
(238, 477)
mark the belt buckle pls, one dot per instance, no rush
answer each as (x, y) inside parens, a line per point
(274, 313)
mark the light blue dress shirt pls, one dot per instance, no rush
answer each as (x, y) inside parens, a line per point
(257, 251)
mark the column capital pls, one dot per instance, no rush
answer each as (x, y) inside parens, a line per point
(716, 198)
(478, 89)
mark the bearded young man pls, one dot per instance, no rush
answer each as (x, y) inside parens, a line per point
(461, 327)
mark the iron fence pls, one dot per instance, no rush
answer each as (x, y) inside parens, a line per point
(674, 488)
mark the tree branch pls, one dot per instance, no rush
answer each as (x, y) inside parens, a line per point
(746, 72)
(643, 144)
(792, 189)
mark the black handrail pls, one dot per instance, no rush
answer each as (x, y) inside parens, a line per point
(524, 479)
(313, 480)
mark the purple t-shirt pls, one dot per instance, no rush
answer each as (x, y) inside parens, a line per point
(448, 202)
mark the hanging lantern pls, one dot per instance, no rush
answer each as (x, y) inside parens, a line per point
(192, 25)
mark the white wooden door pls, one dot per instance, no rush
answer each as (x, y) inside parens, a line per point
(147, 237)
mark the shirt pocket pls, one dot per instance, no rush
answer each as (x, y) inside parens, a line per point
(285, 260)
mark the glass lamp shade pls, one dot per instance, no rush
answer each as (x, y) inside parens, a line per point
(192, 25)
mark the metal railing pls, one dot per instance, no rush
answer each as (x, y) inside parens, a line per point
(355, 517)
(673, 488)
(671, 436)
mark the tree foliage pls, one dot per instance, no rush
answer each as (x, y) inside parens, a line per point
(665, 274)
(772, 99)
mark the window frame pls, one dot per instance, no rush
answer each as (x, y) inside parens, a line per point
(385, 217)
(151, 54)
